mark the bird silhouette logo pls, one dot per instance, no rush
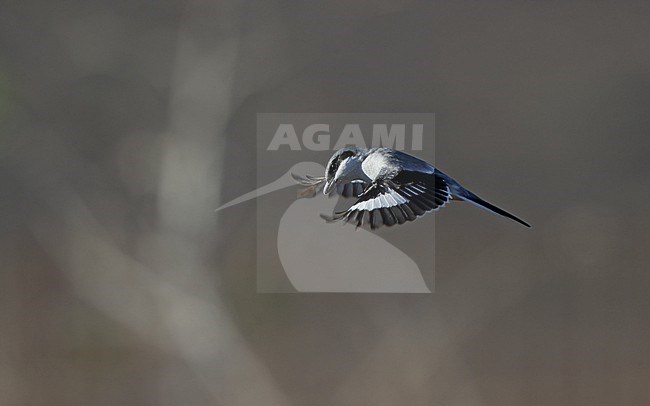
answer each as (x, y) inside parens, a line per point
(319, 257)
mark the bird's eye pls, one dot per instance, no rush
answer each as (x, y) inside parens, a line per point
(332, 169)
(336, 162)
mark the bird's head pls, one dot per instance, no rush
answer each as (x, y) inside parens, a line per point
(342, 167)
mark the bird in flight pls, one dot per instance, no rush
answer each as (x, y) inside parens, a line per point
(391, 187)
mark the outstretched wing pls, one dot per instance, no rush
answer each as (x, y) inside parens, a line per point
(403, 198)
(314, 184)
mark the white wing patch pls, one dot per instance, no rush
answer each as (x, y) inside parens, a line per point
(390, 199)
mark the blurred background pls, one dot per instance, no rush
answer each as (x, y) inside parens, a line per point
(124, 123)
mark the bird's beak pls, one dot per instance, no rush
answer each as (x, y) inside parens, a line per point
(328, 187)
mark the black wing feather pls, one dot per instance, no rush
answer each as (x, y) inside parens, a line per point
(403, 198)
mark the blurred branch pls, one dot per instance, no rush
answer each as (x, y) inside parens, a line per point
(174, 306)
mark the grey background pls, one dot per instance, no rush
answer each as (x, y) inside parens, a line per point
(125, 123)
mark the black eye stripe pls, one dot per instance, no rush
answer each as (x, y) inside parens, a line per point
(335, 163)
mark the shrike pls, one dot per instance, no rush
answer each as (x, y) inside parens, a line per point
(391, 187)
